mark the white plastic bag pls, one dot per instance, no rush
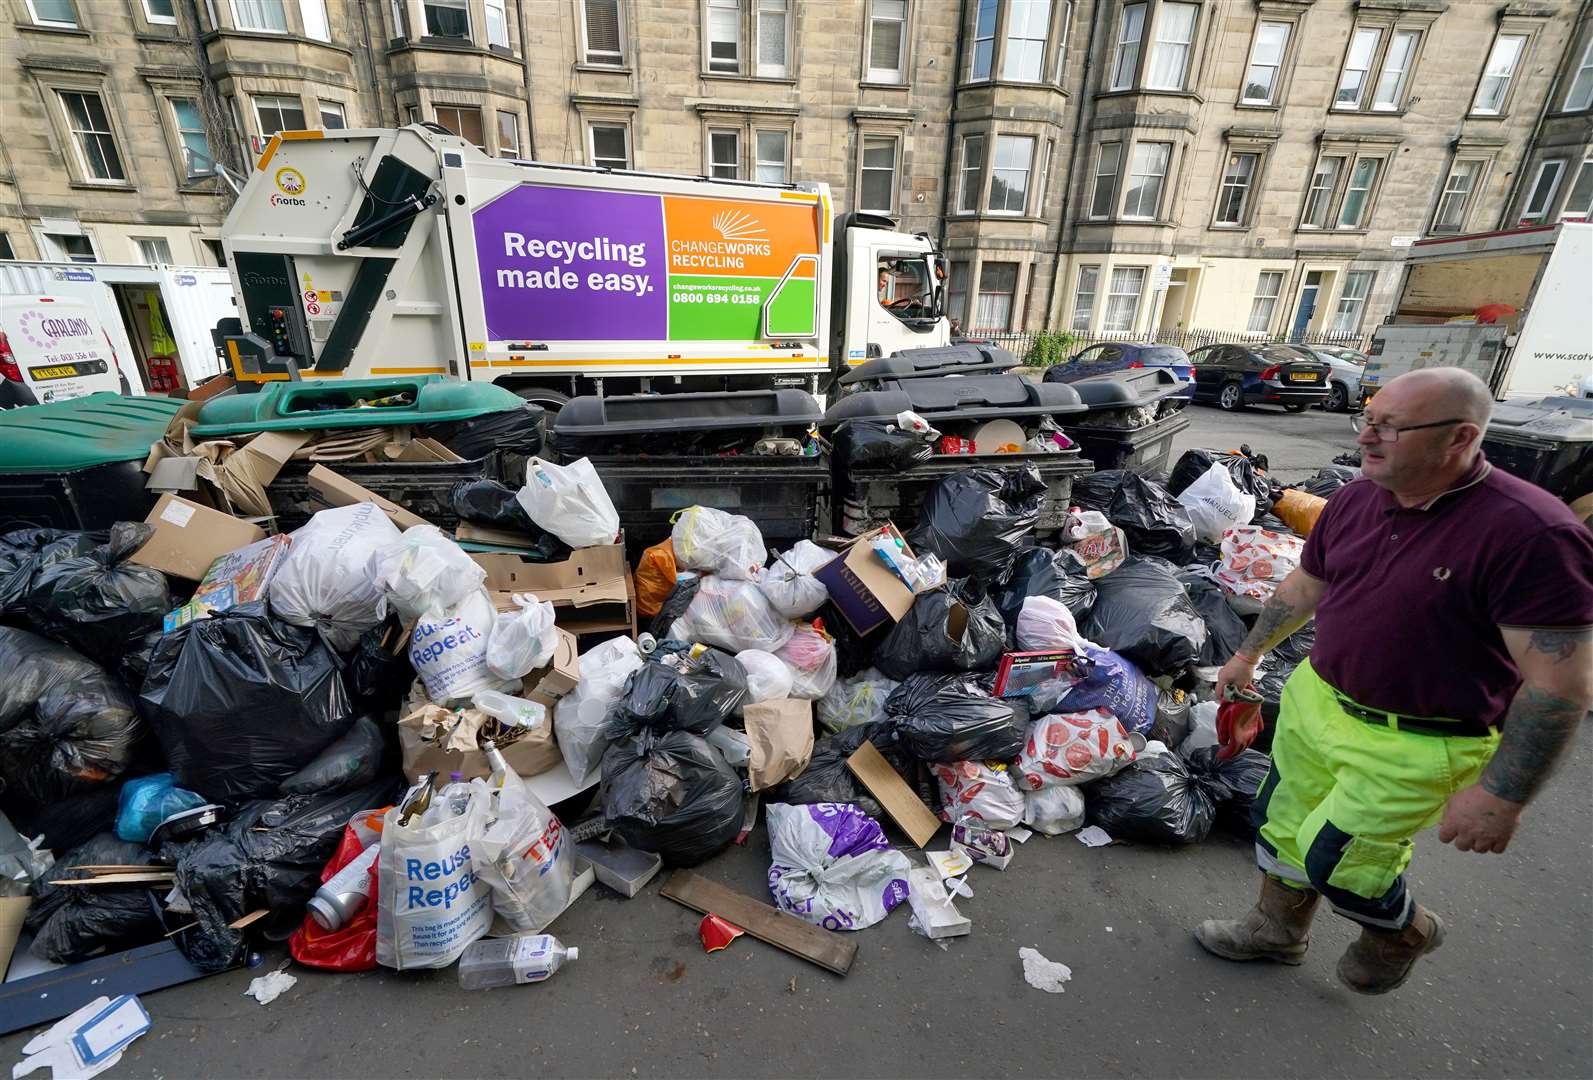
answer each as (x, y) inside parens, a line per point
(328, 579)
(579, 717)
(1204, 730)
(1216, 504)
(1075, 748)
(569, 501)
(831, 865)
(810, 654)
(1054, 810)
(425, 570)
(449, 650)
(854, 701)
(432, 903)
(518, 848)
(768, 679)
(715, 542)
(732, 615)
(522, 640)
(1046, 623)
(789, 584)
(972, 789)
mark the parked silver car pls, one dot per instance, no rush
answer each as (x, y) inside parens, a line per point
(1344, 384)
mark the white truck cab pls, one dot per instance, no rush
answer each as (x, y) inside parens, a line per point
(362, 253)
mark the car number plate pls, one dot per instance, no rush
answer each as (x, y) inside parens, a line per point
(59, 371)
(1304, 376)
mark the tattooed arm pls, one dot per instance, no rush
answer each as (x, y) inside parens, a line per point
(1556, 692)
(1291, 607)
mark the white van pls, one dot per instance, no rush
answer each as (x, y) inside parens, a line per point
(52, 349)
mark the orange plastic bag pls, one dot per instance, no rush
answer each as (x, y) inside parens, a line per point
(655, 578)
(1299, 510)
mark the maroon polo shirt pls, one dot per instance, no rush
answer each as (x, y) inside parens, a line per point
(1415, 597)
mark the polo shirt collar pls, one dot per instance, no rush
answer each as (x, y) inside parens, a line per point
(1479, 472)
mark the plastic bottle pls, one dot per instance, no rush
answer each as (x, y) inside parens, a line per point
(345, 892)
(524, 958)
(458, 793)
(510, 711)
(501, 773)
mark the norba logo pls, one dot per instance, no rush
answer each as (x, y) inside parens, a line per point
(291, 184)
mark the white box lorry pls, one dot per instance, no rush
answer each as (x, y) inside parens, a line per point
(363, 253)
(1545, 347)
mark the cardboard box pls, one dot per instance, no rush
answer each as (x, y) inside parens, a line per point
(590, 591)
(12, 910)
(238, 577)
(422, 449)
(189, 537)
(863, 588)
(328, 489)
(547, 684)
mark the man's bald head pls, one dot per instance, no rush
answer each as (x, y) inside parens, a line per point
(1442, 391)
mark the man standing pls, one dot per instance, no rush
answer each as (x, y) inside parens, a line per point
(1453, 662)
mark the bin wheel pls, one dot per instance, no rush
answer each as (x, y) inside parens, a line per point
(1231, 396)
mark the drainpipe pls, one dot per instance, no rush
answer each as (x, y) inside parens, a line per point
(1063, 222)
(1537, 128)
(951, 141)
(370, 60)
(525, 68)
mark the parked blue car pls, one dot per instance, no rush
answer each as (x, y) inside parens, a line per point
(1110, 356)
(1233, 376)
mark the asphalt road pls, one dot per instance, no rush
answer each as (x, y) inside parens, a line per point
(1507, 995)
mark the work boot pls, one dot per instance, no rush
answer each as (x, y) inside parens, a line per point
(1381, 960)
(1277, 928)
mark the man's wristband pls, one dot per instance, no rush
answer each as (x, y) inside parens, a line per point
(1251, 660)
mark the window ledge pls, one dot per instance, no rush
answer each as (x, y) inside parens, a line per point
(269, 35)
(725, 76)
(197, 190)
(605, 69)
(89, 185)
(1257, 106)
(1228, 227)
(1397, 114)
(1161, 223)
(1471, 116)
(1586, 111)
(1331, 233)
(63, 31)
(156, 37)
(867, 85)
(992, 215)
(448, 45)
(1136, 91)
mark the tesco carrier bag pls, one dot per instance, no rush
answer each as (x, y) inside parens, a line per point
(431, 900)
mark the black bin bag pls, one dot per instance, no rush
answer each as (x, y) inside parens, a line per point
(242, 700)
(827, 778)
(1156, 800)
(1225, 630)
(1233, 784)
(674, 691)
(1142, 612)
(98, 602)
(1038, 572)
(875, 444)
(349, 762)
(953, 629)
(66, 725)
(979, 520)
(1197, 463)
(24, 552)
(493, 504)
(947, 718)
(269, 855)
(74, 922)
(1153, 522)
(671, 793)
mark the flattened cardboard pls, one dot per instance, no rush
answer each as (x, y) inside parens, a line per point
(863, 588)
(883, 782)
(189, 537)
(589, 591)
(422, 449)
(12, 910)
(328, 489)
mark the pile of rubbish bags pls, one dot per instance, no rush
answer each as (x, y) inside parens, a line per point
(346, 749)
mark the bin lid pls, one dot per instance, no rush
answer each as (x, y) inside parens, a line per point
(331, 403)
(1551, 420)
(638, 414)
(966, 358)
(1128, 388)
(64, 436)
(956, 398)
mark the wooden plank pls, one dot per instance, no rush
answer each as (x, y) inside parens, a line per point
(121, 879)
(883, 782)
(764, 922)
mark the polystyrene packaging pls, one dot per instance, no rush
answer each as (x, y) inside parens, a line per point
(768, 678)
(522, 640)
(789, 584)
(328, 579)
(810, 654)
(426, 570)
(578, 718)
(715, 542)
(1044, 623)
(732, 615)
(855, 701)
(569, 501)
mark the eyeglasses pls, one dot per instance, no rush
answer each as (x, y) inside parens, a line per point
(1388, 433)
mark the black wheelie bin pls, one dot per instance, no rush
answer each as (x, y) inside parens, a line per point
(1548, 442)
(1131, 420)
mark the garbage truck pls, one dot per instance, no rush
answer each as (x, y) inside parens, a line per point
(408, 251)
(1512, 307)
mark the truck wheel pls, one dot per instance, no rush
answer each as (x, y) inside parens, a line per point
(550, 400)
(1338, 399)
(1230, 397)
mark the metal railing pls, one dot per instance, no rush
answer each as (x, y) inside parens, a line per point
(1020, 344)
